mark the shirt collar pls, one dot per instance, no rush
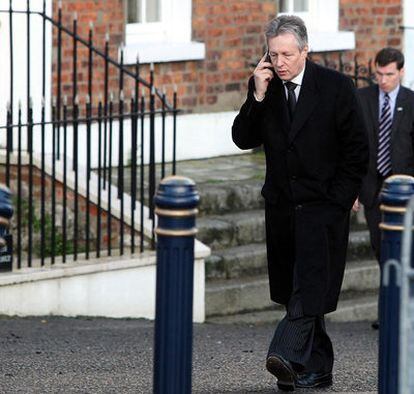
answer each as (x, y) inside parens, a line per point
(298, 79)
(393, 94)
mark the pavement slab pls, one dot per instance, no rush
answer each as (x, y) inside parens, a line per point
(96, 355)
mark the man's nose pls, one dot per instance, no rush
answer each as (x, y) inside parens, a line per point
(279, 62)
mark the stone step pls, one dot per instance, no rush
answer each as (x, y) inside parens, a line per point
(232, 229)
(252, 293)
(363, 308)
(241, 228)
(250, 259)
(219, 198)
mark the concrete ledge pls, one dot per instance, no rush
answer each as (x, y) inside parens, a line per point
(116, 287)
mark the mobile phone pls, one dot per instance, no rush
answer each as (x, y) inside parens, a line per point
(267, 59)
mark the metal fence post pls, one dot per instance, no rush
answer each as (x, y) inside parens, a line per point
(6, 244)
(395, 194)
(176, 201)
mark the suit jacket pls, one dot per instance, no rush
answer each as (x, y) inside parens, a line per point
(402, 138)
(317, 163)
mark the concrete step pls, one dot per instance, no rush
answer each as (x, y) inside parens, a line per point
(252, 293)
(250, 259)
(233, 229)
(363, 308)
(225, 197)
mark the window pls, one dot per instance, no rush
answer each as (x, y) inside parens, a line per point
(322, 21)
(143, 11)
(293, 6)
(160, 31)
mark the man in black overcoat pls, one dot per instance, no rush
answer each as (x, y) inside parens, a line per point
(388, 110)
(310, 124)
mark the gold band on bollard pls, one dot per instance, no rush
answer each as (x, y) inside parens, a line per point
(178, 213)
(389, 208)
(4, 222)
(400, 176)
(391, 227)
(176, 233)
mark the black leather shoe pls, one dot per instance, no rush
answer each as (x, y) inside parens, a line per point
(314, 379)
(283, 370)
(375, 325)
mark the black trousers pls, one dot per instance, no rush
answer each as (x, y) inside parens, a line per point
(299, 338)
(373, 218)
(302, 339)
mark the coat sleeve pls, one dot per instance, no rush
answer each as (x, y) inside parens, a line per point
(353, 147)
(247, 126)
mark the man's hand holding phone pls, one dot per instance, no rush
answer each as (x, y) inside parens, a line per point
(263, 74)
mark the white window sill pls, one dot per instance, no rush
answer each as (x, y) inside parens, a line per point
(331, 41)
(161, 52)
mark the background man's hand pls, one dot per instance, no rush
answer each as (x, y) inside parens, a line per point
(263, 74)
(356, 205)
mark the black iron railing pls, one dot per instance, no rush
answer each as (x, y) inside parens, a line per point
(66, 160)
(361, 74)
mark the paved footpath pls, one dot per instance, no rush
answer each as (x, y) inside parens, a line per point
(65, 355)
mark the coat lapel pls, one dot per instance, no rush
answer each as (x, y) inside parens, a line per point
(307, 100)
(279, 101)
(398, 112)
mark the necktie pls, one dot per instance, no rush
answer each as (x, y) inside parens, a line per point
(290, 86)
(384, 138)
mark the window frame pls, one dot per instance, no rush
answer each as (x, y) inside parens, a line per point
(322, 22)
(165, 41)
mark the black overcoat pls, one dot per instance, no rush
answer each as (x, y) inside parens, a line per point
(316, 163)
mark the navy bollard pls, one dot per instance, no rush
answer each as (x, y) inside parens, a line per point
(6, 212)
(176, 203)
(395, 194)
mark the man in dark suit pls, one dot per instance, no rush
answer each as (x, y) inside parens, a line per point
(388, 110)
(309, 122)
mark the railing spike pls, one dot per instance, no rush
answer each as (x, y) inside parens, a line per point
(8, 106)
(90, 25)
(88, 99)
(107, 36)
(121, 95)
(152, 67)
(60, 4)
(20, 104)
(75, 16)
(65, 100)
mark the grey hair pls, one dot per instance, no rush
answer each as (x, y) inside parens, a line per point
(288, 24)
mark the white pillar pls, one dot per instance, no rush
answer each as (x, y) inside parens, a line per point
(20, 58)
(408, 47)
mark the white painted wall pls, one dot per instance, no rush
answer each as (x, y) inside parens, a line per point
(114, 287)
(408, 21)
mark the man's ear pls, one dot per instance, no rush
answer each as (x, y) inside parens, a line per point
(402, 71)
(305, 50)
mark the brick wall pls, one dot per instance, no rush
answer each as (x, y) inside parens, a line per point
(232, 33)
(231, 30)
(375, 23)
